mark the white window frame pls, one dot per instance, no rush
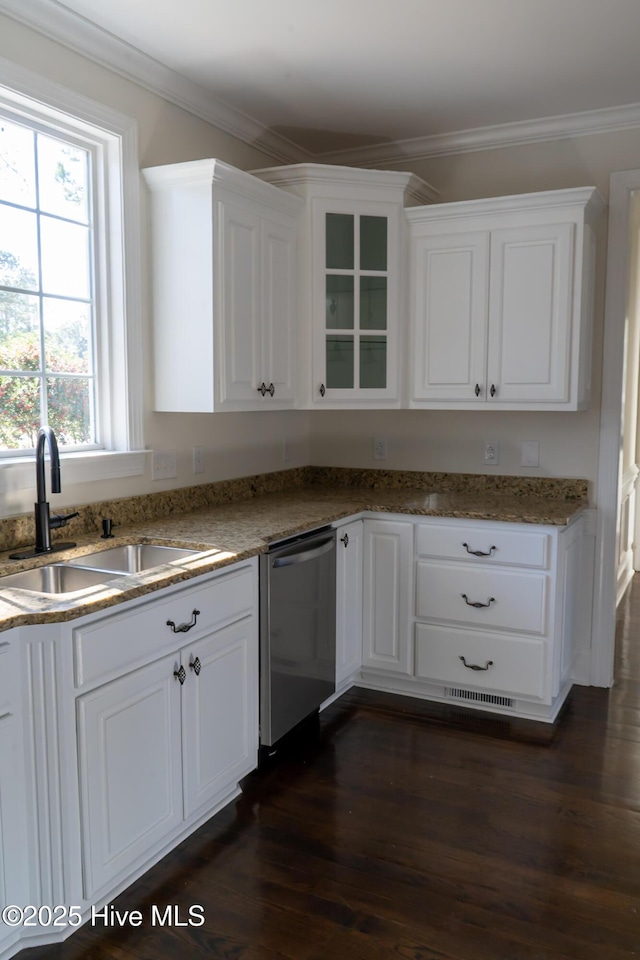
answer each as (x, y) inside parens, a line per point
(118, 277)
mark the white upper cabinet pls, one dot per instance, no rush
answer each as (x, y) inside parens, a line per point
(352, 284)
(225, 281)
(501, 302)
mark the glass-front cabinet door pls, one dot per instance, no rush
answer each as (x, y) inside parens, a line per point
(356, 310)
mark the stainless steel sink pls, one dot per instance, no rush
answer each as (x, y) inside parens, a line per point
(133, 558)
(56, 578)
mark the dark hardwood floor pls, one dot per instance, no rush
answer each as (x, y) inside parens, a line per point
(410, 831)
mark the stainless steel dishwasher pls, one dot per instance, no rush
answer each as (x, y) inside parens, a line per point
(297, 631)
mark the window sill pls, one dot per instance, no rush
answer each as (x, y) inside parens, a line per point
(19, 474)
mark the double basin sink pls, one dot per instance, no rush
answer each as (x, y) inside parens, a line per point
(93, 569)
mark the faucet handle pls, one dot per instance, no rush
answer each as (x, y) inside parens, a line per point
(58, 520)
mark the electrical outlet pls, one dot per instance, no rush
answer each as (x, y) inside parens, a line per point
(198, 459)
(530, 455)
(491, 453)
(379, 448)
(165, 465)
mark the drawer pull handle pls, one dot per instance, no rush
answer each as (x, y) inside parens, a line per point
(345, 540)
(184, 627)
(476, 666)
(479, 553)
(196, 666)
(180, 675)
(476, 603)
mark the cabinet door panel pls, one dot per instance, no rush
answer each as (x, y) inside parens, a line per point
(219, 712)
(349, 600)
(130, 770)
(449, 292)
(239, 279)
(279, 306)
(388, 550)
(14, 883)
(530, 313)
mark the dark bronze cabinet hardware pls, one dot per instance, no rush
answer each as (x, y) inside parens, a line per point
(477, 390)
(323, 389)
(271, 389)
(493, 390)
(184, 627)
(476, 666)
(180, 675)
(345, 540)
(196, 666)
(479, 553)
(262, 388)
(476, 603)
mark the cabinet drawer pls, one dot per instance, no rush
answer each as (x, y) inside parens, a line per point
(514, 666)
(124, 640)
(460, 542)
(510, 600)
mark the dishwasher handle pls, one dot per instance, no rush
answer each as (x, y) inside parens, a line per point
(305, 555)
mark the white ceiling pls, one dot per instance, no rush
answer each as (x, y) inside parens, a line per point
(331, 75)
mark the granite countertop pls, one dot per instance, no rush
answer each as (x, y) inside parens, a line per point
(234, 531)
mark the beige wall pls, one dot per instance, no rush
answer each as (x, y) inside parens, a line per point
(239, 444)
(235, 444)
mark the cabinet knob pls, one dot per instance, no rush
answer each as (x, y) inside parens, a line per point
(184, 627)
(271, 389)
(476, 603)
(476, 666)
(196, 666)
(493, 390)
(180, 675)
(477, 390)
(323, 389)
(262, 388)
(345, 540)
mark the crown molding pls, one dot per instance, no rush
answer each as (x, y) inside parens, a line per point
(57, 22)
(561, 127)
(53, 20)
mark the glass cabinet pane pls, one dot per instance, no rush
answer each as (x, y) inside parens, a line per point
(339, 241)
(339, 308)
(373, 243)
(373, 362)
(340, 357)
(373, 303)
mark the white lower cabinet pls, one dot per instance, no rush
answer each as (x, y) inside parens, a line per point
(164, 743)
(494, 623)
(159, 744)
(121, 733)
(349, 548)
(388, 595)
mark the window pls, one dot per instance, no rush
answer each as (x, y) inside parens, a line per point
(70, 314)
(47, 317)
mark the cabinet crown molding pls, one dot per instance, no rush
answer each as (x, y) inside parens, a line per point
(215, 172)
(587, 199)
(296, 177)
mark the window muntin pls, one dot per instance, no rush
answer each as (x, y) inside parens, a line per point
(47, 297)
